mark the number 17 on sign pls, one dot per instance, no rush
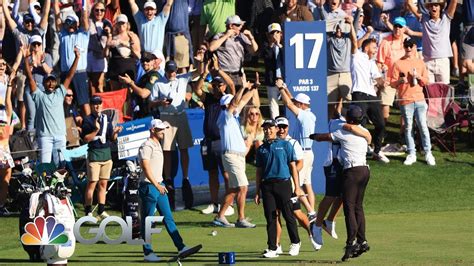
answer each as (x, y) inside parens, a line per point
(298, 41)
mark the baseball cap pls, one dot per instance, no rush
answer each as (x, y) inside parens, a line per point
(269, 123)
(171, 66)
(96, 99)
(159, 55)
(274, 27)
(50, 76)
(157, 123)
(36, 38)
(217, 79)
(122, 18)
(146, 56)
(149, 4)
(354, 112)
(302, 98)
(28, 17)
(226, 99)
(72, 17)
(234, 20)
(400, 21)
(282, 121)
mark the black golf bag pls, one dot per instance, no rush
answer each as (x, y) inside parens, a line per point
(130, 203)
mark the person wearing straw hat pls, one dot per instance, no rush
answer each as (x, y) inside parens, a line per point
(436, 46)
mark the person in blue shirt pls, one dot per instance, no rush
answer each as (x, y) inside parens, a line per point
(276, 168)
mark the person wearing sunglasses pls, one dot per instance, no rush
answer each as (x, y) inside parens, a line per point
(42, 66)
(142, 89)
(409, 76)
(22, 34)
(99, 29)
(6, 160)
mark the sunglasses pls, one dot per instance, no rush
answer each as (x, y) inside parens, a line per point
(398, 26)
(68, 95)
(202, 49)
(236, 25)
(254, 113)
(70, 22)
(37, 8)
(145, 60)
(282, 126)
(99, 10)
(29, 21)
(36, 44)
(406, 46)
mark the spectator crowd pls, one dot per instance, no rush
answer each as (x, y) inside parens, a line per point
(59, 56)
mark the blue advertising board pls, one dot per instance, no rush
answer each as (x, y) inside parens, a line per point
(306, 72)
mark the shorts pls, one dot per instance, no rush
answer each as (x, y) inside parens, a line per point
(80, 86)
(213, 159)
(96, 65)
(438, 70)
(99, 170)
(295, 205)
(339, 86)
(333, 175)
(181, 55)
(6, 160)
(305, 172)
(467, 43)
(234, 165)
(20, 85)
(388, 95)
(172, 135)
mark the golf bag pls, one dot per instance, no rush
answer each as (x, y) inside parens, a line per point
(130, 203)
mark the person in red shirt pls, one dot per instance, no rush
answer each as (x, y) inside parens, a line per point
(409, 74)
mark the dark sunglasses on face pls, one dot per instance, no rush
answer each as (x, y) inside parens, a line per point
(68, 95)
(70, 22)
(36, 44)
(254, 114)
(406, 46)
(99, 10)
(236, 25)
(37, 8)
(398, 26)
(145, 60)
(282, 126)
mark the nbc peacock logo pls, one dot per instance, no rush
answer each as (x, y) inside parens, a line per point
(44, 232)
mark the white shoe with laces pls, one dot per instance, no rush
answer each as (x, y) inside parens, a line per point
(151, 258)
(295, 249)
(411, 159)
(270, 254)
(330, 227)
(229, 211)
(211, 208)
(315, 245)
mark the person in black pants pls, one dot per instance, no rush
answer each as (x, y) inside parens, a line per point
(276, 163)
(354, 140)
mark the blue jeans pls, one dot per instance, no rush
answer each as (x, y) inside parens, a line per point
(419, 110)
(152, 200)
(50, 146)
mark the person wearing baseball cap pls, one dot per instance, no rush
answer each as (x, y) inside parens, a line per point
(436, 23)
(272, 52)
(276, 169)
(143, 88)
(234, 151)
(353, 139)
(212, 159)
(231, 53)
(151, 27)
(98, 132)
(305, 123)
(153, 191)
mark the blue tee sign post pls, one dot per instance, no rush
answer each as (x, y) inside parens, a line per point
(306, 72)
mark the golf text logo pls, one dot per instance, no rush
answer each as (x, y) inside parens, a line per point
(126, 230)
(44, 232)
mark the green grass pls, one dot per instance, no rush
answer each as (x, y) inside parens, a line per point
(416, 215)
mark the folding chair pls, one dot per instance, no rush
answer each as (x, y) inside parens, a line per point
(71, 159)
(442, 116)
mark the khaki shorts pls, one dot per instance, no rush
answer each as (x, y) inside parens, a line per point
(182, 136)
(305, 172)
(99, 170)
(234, 165)
(181, 55)
(388, 95)
(339, 86)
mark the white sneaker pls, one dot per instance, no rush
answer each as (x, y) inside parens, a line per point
(295, 249)
(229, 211)
(330, 227)
(151, 258)
(315, 245)
(318, 235)
(279, 250)
(430, 160)
(270, 254)
(211, 208)
(381, 157)
(411, 159)
(102, 216)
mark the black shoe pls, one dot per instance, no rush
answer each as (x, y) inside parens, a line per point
(361, 249)
(348, 252)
